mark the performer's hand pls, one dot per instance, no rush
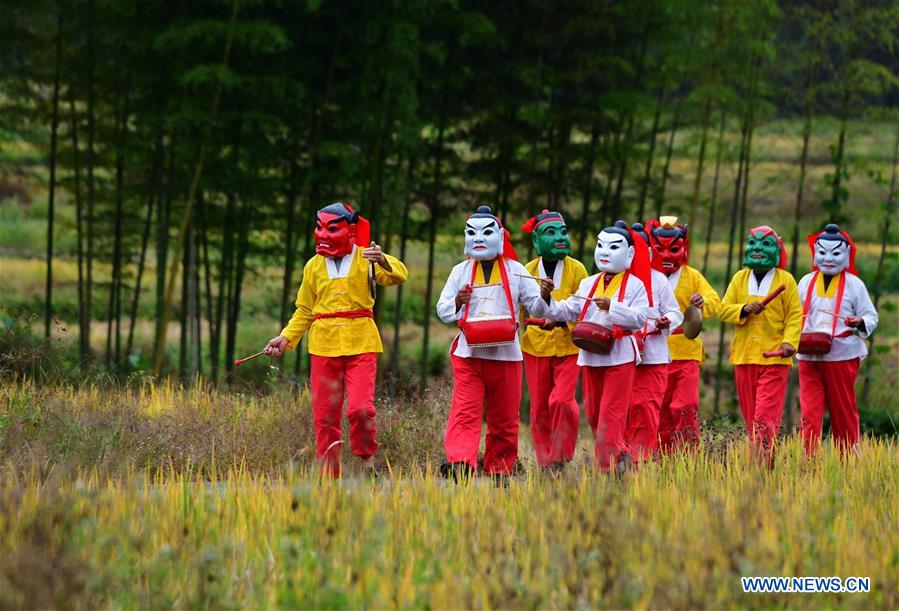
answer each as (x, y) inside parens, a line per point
(603, 303)
(697, 300)
(754, 307)
(549, 325)
(463, 297)
(853, 322)
(374, 254)
(276, 346)
(663, 322)
(546, 288)
(788, 350)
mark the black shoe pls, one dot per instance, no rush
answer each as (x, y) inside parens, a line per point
(456, 470)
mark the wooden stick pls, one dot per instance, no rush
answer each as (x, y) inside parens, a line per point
(526, 276)
(240, 362)
(483, 286)
(774, 294)
(534, 322)
(774, 354)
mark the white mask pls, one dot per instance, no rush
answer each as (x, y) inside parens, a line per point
(831, 256)
(483, 239)
(613, 254)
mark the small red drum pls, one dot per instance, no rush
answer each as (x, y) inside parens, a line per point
(592, 337)
(489, 331)
(815, 343)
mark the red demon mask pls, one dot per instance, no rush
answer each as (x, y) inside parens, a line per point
(670, 244)
(336, 230)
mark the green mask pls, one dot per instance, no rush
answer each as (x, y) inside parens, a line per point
(551, 240)
(762, 251)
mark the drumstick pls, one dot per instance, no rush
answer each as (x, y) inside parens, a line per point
(483, 286)
(832, 314)
(774, 294)
(526, 276)
(240, 362)
(774, 354)
(535, 322)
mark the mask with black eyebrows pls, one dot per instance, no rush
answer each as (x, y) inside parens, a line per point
(831, 251)
(483, 236)
(614, 249)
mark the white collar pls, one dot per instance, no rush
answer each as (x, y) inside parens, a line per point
(761, 289)
(336, 267)
(674, 277)
(557, 272)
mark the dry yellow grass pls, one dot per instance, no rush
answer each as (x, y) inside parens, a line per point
(239, 525)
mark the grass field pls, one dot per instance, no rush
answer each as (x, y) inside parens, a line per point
(162, 497)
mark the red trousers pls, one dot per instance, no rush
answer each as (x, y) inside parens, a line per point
(679, 415)
(607, 391)
(642, 433)
(478, 383)
(761, 390)
(555, 414)
(828, 385)
(331, 377)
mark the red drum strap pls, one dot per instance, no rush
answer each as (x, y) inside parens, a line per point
(589, 299)
(808, 301)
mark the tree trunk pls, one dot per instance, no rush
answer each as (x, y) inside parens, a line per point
(803, 164)
(714, 201)
(660, 195)
(697, 181)
(51, 203)
(89, 287)
(164, 198)
(83, 318)
(144, 243)
(588, 191)
(889, 213)
(647, 172)
(398, 315)
(734, 218)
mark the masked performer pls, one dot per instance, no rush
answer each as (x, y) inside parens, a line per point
(610, 307)
(679, 417)
(483, 295)
(550, 358)
(763, 303)
(838, 314)
(334, 304)
(651, 378)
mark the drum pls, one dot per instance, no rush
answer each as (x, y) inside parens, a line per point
(489, 331)
(815, 343)
(592, 337)
(692, 324)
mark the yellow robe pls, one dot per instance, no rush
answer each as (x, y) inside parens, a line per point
(320, 294)
(780, 322)
(557, 342)
(691, 281)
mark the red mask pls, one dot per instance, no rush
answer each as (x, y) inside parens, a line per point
(334, 236)
(669, 252)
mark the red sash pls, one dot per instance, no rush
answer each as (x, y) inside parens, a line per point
(346, 314)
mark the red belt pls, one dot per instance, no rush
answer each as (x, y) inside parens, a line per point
(346, 314)
(677, 331)
(845, 334)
